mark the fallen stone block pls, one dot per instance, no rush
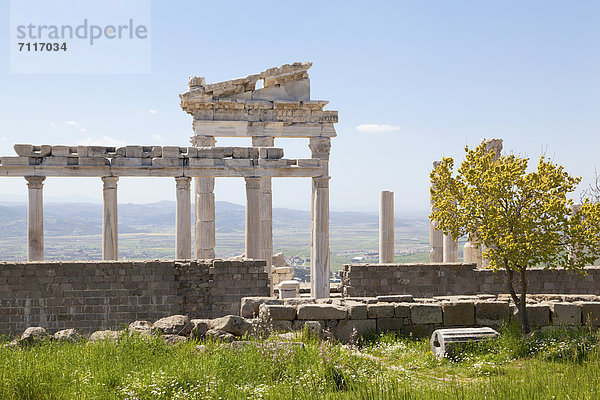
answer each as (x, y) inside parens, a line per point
(233, 324)
(174, 339)
(141, 327)
(67, 335)
(107, 335)
(174, 325)
(221, 336)
(33, 334)
(200, 327)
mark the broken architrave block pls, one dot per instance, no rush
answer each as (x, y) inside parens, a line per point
(445, 341)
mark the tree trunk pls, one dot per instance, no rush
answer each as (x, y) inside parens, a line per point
(520, 303)
(523, 319)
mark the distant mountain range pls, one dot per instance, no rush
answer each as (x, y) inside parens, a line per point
(86, 218)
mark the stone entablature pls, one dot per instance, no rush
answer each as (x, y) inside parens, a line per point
(50, 160)
(281, 108)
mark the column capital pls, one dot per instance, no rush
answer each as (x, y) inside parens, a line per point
(252, 182)
(35, 182)
(263, 141)
(110, 182)
(322, 182)
(320, 147)
(203, 141)
(183, 182)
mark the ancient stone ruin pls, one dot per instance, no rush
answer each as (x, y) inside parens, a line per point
(281, 108)
(198, 296)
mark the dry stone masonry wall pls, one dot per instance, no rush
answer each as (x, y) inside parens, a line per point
(425, 280)
(90, 296)
(345, 318)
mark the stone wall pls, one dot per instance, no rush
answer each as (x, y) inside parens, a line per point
(425, 280)
(92, 296)
(345, 318)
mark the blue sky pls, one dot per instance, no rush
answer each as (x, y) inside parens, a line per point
(431, 76)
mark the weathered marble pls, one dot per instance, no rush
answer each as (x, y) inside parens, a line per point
(386, 227)
(35, 218)
(110, 222)
(253, 231)
(183, 231)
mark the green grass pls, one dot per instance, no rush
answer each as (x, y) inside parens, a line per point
(560, 364)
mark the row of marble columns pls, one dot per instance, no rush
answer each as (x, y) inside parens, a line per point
(443, 247)
(110, 221)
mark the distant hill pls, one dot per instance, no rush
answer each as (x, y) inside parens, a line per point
(86, 219)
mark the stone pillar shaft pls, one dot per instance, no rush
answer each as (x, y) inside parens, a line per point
(204, 208)
(266, 208)
(110, 221)
(253, 231)
(183, 232)
(436, 236)
(468, 252)
(320, 270)
(450, 249)
(204, 218)
(35, 218)
(386, 227)
(320, 239)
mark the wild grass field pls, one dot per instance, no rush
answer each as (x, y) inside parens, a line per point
(558, 364)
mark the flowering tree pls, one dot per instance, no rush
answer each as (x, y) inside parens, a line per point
(519, 219)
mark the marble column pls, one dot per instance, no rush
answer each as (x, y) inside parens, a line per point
(253, 233)
(110, 221)
(319, 262)
(266, 208)
(450, 249)
(35, 218)
(183, 232)
(204, 208)
(436, 236)
(468, 252)
(386, 227)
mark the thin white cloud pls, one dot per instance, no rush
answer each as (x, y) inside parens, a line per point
(101, 141)
(66, 124)
(153, 111)
(4, 138)
(377, 128)
(157, 137)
